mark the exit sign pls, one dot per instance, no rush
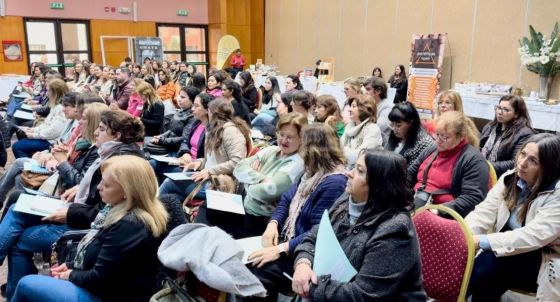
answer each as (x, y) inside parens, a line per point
(182, 12)
(57, 5)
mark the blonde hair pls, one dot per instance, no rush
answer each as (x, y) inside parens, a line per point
(92, 115)
(57, 88)
(355, 84)
(138, 181)
(147, 93)
(456, 122)
(454, 96)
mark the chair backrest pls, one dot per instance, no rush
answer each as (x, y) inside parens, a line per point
(493, 179)
(446, 251)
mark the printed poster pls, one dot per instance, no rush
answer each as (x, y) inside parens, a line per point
(426, 62)
(147, 47)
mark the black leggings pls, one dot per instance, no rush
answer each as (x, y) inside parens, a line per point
(492, 276)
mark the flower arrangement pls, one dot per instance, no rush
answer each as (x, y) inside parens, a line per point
(540, 54)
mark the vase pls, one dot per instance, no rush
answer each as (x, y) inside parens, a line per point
(545, 84)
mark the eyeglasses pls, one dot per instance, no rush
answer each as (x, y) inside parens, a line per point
(443, 138)
(282, 136)
(502, 109)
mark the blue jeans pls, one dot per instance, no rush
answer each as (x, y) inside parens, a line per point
(8, 180)
(160, 168)
(181, 189)
(27, 146)
(47, 289)
(263, 118)
(20, 236)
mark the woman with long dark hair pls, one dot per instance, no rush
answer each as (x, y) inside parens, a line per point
(231, 91)
(399, 81)
(517, 226)
(502, 138)
(248, 90)
(408, 138)
(374, 228)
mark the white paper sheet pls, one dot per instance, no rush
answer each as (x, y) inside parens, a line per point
(166, 159)
(226, 202)
(24, 115)
(250, 245)
(38, 205)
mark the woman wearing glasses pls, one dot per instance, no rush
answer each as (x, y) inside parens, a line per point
(452, 173)
(265, 177)
(502, 137)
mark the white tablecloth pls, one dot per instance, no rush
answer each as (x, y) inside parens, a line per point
(544, 117)
(308, 83)
(334, 89)
(7, 83)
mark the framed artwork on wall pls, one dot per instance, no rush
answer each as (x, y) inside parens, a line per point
(12, 51)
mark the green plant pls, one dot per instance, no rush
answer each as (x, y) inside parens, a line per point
(540, 54)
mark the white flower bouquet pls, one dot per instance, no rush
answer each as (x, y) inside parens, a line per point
(540, 54)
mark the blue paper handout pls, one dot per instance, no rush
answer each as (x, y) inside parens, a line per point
(330, 259)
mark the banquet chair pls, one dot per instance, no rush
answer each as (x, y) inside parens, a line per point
(446, 252)
(493, 178)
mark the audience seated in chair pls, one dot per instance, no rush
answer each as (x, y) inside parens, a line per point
(374, 228)
(227, 142)
(453, 173)
(300, 208)
(192, 139)
(362, 132)
(23, 234)
(328, 112)
(40, 137)
(265, 176)
(502, 138)
(517, 227)
(408, 137)
(117, 259)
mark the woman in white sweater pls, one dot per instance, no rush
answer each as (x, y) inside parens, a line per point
(41, 137)
(361, 132)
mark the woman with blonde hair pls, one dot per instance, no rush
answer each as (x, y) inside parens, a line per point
(125, 233)
(352, 87)
(328, 112)
(448, 100)
(301, 207)
(362, 131)
(40, 138)
(152, 109)
(453, 172)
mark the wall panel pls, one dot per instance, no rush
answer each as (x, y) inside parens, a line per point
(362, 34)
(11, 29)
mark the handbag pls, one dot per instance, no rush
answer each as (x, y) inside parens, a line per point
(153, 148)
(66, 247)
(173, 291)
(32, 180)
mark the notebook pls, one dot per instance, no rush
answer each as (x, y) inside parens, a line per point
(24, 115)
(34, 167)
(38, 205)
(166, 159)
(177, 176)
(226, 202)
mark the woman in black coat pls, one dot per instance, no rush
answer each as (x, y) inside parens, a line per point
(502, 138)
(117, 259)
(153, 109)
(399, 81)
(374, 228)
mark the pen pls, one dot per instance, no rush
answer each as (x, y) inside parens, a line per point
(287, 276)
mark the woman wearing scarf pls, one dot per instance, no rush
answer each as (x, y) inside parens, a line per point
(300, 208)
(503, 137)
(23, 234)
(361, 132)
(117, 259)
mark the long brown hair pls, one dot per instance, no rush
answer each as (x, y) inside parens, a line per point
(320, 149)
(56, 88)
(331, 106)
(222, 112)
(549, 173)
(522, 120)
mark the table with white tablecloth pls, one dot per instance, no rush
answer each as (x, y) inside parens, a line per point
(544, 117)
(8, 82)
